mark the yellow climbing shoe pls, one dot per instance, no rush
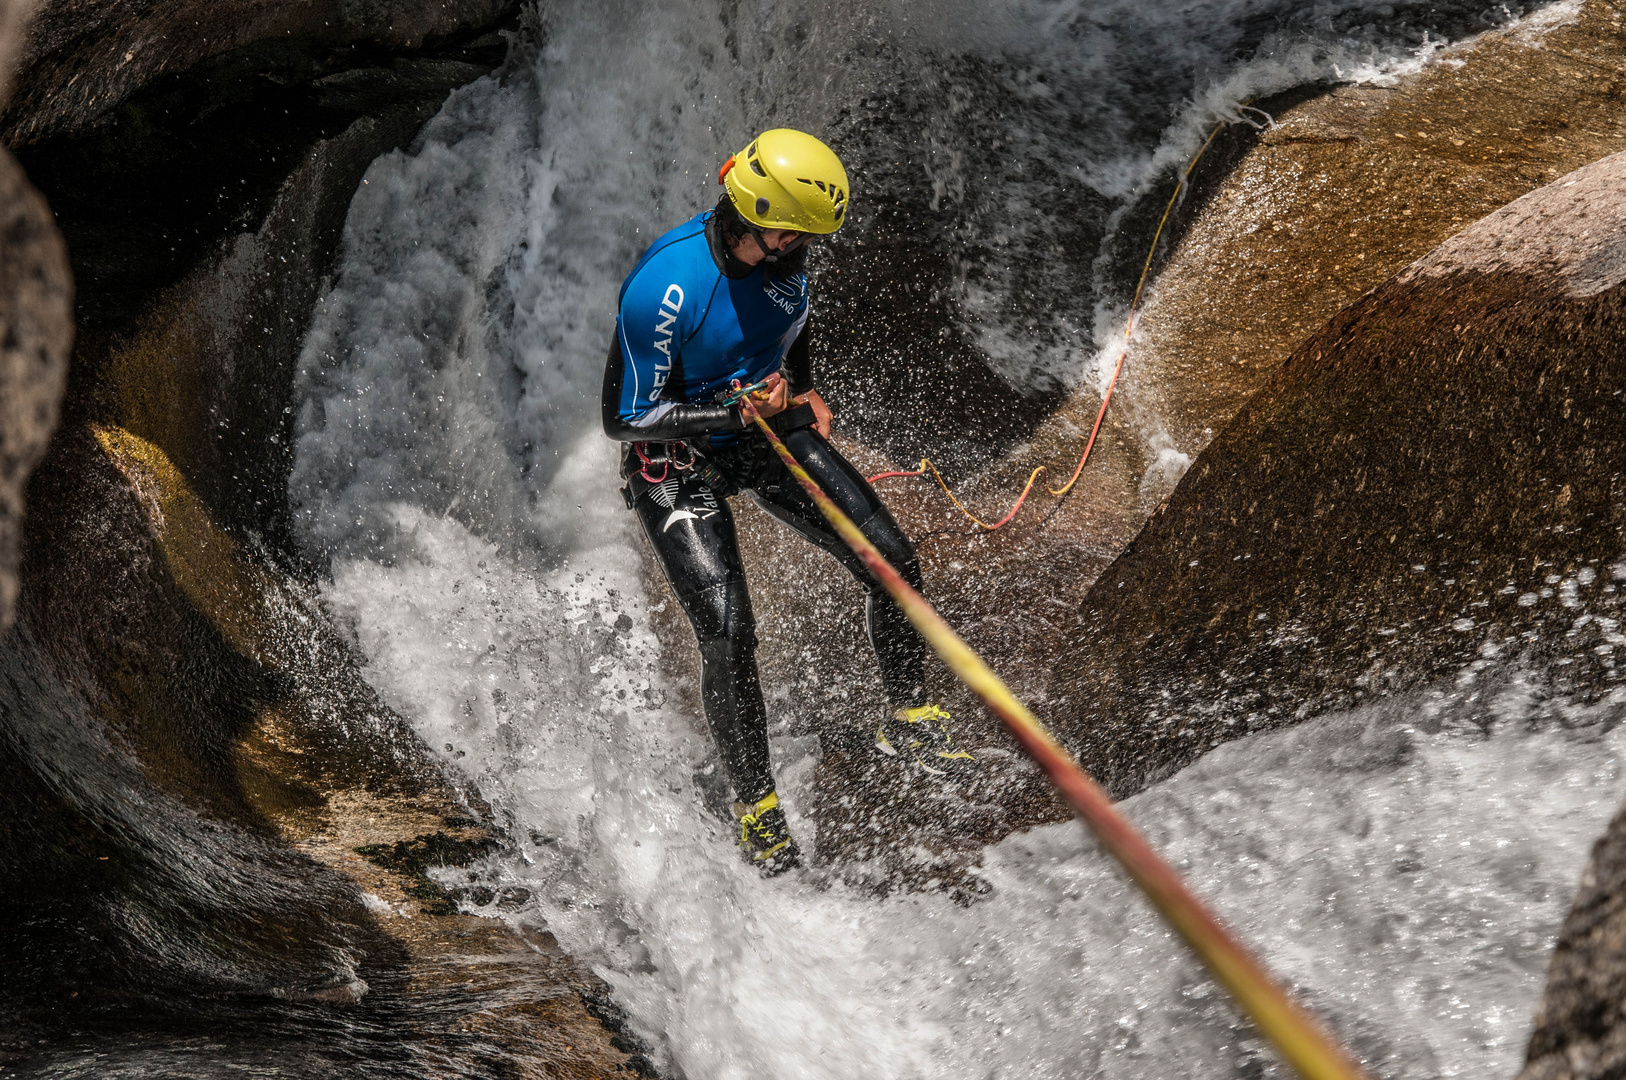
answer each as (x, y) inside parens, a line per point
(923, 734)
(765, 838)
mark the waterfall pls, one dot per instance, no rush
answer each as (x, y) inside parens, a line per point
(451, 473)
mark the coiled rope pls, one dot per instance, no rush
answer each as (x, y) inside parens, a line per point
(1112, 383)
(1302, 1042)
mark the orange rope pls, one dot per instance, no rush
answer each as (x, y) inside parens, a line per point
(926, 463)
(1112, 384)
(1301, 1041)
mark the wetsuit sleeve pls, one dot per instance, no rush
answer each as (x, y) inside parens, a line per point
(655, 319)
(666, 421)
(798, 364)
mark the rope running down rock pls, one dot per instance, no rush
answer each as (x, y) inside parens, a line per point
(1129, 331)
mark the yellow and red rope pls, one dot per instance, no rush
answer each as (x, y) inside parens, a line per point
(1302, 1042)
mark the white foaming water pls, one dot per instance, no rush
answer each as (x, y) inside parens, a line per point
(449, 464)
(1409, 883)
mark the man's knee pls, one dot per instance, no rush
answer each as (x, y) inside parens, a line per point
(889, 539)
(723, 623)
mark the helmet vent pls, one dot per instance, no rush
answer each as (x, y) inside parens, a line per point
(756, 167)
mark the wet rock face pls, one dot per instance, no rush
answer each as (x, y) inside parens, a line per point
(36, 330)
(1430, 486)
(1349, 187)
(1581, 1028)
(207, 154)
(196, 771)
(201, 215)
(1281, 230)
(82, 59)
(204, 365)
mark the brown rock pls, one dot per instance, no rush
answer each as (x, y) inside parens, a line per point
(1431, 480)
(1348, 188)
(1581, 1023)
(36, 331)
(1340, 193)
(177, 713)
(14, 19)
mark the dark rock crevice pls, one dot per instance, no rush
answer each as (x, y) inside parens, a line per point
(197, 157)
(202, 215)
(83, 60)
(1580, 1028)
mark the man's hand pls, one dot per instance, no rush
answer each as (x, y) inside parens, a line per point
(821, 411)
(773, 400)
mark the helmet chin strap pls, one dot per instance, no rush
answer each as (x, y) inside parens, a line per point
(768, 254)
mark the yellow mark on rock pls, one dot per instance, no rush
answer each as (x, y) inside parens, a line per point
(203, 561)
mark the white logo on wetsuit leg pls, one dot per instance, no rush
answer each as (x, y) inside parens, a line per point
(703, 502)
(665, 492)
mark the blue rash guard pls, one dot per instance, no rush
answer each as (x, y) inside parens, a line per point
(685, 330)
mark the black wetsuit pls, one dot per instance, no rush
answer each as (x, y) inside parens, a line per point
(684, 513)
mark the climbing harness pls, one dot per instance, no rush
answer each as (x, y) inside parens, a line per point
(1112, 383)
(668, 455)
(1298, 1037)
(678, 456)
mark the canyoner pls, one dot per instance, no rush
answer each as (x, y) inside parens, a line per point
(712, 324)
(708, 386)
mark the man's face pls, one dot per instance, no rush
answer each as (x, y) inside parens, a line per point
(780, 241)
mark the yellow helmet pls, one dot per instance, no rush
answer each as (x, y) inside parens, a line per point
(787, 180)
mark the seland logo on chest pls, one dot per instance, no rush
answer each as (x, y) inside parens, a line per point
(665, 324)
(785, 293)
